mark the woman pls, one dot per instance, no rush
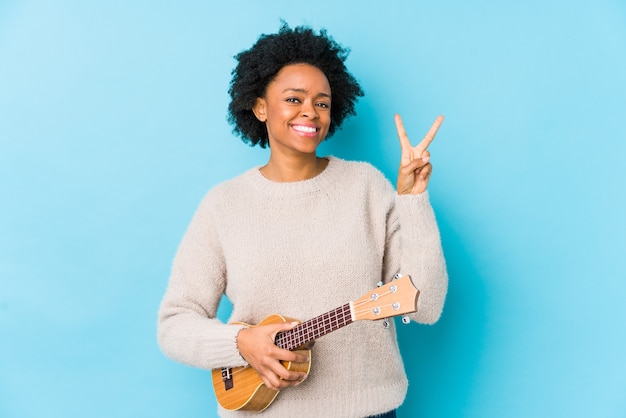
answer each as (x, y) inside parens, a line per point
(300, 236)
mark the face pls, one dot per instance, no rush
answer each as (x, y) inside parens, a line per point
(296, 109)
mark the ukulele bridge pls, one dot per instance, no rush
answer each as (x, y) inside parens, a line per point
(227, 377)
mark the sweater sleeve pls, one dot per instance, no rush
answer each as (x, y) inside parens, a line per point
(421, 254)
(188, 331)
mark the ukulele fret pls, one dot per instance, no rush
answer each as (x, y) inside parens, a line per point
(314, 328)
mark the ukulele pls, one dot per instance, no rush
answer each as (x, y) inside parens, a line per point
(241, 388)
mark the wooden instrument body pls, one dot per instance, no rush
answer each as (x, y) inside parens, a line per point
(251, 393)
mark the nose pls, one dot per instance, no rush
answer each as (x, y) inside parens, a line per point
(309, 110)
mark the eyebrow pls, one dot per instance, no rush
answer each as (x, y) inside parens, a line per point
(297, 90)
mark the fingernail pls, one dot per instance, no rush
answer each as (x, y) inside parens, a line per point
(426, 159)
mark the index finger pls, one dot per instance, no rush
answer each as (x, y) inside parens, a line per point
(430, 135)
(404, 139)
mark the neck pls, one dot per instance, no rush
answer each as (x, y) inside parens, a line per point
(314, 328)
(294, 169)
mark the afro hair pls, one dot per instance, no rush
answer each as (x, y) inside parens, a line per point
(259, 65)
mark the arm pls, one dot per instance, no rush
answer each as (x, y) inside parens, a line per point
(422, 255)
(188, 331)
(413, 231)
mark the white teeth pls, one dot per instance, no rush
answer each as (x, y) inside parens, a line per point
(306, 129)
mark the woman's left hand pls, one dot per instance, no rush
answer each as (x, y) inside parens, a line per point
(415, 167)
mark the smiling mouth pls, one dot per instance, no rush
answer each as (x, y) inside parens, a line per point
(305, 129)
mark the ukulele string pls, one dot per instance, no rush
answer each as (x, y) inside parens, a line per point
(307, 331)
(314, 328)
(363, 311)
(359, 304)
(236, 371)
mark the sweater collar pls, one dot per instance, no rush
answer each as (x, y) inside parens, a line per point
(330, 175)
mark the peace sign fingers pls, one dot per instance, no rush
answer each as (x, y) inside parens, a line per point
(409, 153)
(415, 168)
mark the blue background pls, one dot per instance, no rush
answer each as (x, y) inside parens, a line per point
(112, 128)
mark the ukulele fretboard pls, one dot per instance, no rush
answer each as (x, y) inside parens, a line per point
(314, 328)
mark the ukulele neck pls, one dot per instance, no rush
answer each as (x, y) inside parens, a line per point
(314, 328)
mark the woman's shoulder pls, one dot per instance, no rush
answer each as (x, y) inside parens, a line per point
(222, 193)
(363, 170)
(235, 183)
(363, 167)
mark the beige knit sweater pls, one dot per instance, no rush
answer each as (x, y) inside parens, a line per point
(301, 249)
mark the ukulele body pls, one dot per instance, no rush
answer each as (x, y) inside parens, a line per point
(241, 388)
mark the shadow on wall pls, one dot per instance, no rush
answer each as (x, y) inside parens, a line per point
(442, 360)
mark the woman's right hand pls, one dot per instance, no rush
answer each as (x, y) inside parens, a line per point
(256, 346)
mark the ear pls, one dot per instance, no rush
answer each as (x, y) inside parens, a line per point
(259, 109)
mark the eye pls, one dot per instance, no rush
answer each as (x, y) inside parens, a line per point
(323, 105)
(292, 100)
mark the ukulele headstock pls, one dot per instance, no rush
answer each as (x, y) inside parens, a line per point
(397, 297)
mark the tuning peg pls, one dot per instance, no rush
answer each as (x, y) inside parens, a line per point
(397, 276)
(379, 284)
(405, 319)
(386, 323)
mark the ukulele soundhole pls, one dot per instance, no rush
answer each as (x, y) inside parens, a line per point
(227, 378)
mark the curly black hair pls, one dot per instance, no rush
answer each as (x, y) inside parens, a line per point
(259, 65)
